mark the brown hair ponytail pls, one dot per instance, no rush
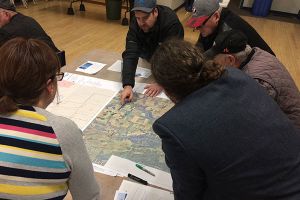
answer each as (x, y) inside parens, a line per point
(7, 104)
(211, 71)
(180, 68)
(25, 67)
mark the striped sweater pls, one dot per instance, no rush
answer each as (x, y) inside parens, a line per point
(32, 165)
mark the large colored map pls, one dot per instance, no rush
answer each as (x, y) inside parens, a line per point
(127, 131)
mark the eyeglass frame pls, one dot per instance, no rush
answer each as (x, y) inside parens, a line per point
(59, 76)
(205, 21)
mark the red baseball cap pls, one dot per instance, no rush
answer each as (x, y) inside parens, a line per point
(202, 10)
(197, 21)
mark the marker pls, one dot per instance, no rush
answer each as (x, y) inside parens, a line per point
(137, 179)
(144, 169)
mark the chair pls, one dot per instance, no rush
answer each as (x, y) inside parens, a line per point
(62, 58)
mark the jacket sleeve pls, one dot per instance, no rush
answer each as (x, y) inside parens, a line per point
(269, 88)
(4, 36)
(82, 182)
(188, 178)
(130, 56)
(199, 43)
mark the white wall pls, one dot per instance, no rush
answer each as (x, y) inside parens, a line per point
(288, 6)
(176, 3)
(171, 3)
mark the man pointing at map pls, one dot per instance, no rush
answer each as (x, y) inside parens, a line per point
(151, 25)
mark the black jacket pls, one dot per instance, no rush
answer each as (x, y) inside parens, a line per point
(230, 141)
(4, 36)
(26, 27)
(143, 44)
(228, 21)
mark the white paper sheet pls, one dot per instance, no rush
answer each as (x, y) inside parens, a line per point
(92, 81)
(105, 84)
(80, 103)
(137, 191)
(124, 166)
(90, 67)
(104, 170)
(140, 71)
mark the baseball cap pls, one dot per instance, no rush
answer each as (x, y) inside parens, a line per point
(144, 5)
(232, 41)
(202, 10)
(7, 5)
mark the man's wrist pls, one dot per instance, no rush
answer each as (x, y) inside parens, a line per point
(127, 86)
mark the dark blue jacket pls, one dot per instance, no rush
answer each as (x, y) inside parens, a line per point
(230, 141)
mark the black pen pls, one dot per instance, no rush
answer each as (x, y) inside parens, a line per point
(137, 179)
(125, 102)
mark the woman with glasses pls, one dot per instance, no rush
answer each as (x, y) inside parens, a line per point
(42, 156)
(225, 138)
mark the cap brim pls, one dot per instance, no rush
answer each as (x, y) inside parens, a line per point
(12, 8)
(143, 9)
(195, 22)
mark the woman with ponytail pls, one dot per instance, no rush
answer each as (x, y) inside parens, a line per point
(225, 138)
(42, 156)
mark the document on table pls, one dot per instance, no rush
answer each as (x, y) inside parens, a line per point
(90, 67)
(136, 191)
(104, 170)
(80, 103)
(140, 71)
(105, 84)
(124, 167)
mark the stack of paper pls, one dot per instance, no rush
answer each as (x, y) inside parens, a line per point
(80, 103)
(140, 71)
(124, 167)
(104, 170)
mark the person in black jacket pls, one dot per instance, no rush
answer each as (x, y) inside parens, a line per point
(225, 138)
(4, 36)
(14, 24)
(210, 19)
(152, 25)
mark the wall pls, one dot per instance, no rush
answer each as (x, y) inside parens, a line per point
(171, 3)
(288, 6)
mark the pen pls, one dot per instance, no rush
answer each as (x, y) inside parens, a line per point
(144, 169)
(137, 179)
(125, 102)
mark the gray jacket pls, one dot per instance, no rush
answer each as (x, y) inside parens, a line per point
(274, 77)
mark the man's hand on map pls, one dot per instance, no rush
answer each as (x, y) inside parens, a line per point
(126, 94)
(153, 90)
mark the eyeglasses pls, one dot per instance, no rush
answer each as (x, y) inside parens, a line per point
(59, 76)
(205, 21)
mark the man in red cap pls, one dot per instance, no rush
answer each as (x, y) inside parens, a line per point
(211, 19)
